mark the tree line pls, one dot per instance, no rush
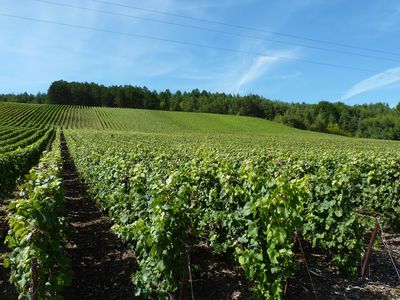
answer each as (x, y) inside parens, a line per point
(376, 120)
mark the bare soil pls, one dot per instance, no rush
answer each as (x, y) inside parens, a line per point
(216, 276)
(102, 266)
(381, 281)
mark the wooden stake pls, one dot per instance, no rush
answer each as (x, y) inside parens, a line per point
(369, 249)
(308, 270)
(35, 281)
(184, 279)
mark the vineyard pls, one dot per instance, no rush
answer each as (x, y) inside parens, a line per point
(174, 184)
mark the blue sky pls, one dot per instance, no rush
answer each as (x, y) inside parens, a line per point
(33, 54)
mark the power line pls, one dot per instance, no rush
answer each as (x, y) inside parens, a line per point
(247, 28)
(142, 36)
(215, 31)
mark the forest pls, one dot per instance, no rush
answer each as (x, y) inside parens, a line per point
(377, 120)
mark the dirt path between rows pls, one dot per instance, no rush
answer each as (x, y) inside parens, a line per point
(381, 281)
(102, 266)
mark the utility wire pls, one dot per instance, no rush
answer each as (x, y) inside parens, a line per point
(142, 36)
(246, 27)
(216, 31)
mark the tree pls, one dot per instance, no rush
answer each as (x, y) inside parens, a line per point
(59, 92)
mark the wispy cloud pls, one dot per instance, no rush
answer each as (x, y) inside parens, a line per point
(261, 65)
(239, 72)
(377, 81)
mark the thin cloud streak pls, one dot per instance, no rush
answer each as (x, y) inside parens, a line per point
(260, 66)
(377, 81)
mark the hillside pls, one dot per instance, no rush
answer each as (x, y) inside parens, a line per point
(139, 120)
(374, 120)
(207, 128)
(174, 187)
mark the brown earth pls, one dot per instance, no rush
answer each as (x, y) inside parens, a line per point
(381, 280)
(101, 265)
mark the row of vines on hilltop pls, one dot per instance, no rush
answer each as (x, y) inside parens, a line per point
(163, 197)
(64, 116)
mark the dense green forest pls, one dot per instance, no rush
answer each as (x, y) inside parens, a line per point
(376, 120)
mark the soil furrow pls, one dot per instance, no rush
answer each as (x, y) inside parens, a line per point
(101, 265)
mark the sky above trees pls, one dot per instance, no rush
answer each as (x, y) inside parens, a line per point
(297, 50)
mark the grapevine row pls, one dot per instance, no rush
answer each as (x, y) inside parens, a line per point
(16, 163)
(37, 231)
(163, 197)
